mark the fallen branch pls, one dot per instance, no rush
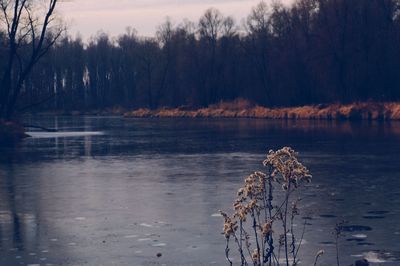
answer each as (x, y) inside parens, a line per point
(39, 127)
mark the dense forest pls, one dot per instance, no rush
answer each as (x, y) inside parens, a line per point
(314, 51)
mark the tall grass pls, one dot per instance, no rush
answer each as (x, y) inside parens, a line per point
(245, 109)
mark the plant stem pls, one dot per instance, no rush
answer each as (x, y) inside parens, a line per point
(285, 223)
(302, 237)
(256, 236)
(337, 251)
(227, 252)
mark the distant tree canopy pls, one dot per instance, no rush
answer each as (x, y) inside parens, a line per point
(314, 51)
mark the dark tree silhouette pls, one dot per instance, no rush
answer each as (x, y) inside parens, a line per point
(314, 51)
(27, 35)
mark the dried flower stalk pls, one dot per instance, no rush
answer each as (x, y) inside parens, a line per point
(253, 223)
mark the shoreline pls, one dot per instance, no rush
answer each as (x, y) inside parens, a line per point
(11, 133)
(389, 111)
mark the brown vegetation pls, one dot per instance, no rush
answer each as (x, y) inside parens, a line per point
(244, 109)
(11, 132)
(262, 228)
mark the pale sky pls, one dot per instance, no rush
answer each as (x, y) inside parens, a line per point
(113, 16)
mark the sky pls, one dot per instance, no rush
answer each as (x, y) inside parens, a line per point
(88, 17)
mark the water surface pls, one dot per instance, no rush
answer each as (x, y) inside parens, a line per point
(115, 191)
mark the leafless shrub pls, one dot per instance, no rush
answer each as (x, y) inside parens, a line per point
(259, 227)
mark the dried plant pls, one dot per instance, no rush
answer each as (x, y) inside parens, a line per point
(319, 254)
(257, 221)
(338, 233)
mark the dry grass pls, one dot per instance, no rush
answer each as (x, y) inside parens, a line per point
(243, 108)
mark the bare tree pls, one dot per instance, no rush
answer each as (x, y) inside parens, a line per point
(211, 24)
(258, 27)
(210, 28)
(309, 52)
(229, 29)
(31, 29)
(259, 18)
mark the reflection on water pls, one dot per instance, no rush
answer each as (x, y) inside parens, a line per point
(117, 191)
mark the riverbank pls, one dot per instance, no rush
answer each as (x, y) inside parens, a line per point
(11, 132)
(114, 111)
(244, 109)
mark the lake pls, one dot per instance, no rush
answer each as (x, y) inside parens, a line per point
(115, 191)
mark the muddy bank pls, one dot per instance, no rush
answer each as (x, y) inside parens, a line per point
(244, 109)
(11, 132)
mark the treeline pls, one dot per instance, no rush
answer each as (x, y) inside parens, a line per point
(314, 51)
